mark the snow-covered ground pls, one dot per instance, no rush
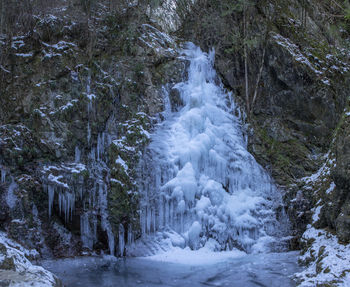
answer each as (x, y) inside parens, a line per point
(332, 264)
(327, 261)
(200, 257)
(17, 271)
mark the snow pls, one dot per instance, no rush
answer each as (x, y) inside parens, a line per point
(16, 44)
(327, 260)
(202, 256)
(91, 96)
(39, 112)
(295, 52)
(323, 172)
(117, 181)
(193, 234)
(28, 55)
(25, 274)
(68, 105)
(166, 15)
(120, 161)
(160, 42)
(75, 168)
(331, 188)
(316, 215)
(120, 143)
(326, 81)
(49, 55)
(56, 180)
(334, 257)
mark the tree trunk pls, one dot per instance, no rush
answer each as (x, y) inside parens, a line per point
(258, 79)
(245, 59)
(3, 17)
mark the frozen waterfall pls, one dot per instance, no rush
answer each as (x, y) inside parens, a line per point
(198, 184)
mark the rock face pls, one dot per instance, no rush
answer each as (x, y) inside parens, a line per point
(301, 94)
(339, 218)
(297, 126)
(16, 269)
(79, 93)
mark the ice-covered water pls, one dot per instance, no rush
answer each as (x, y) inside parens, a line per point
(198, 182)
(270, 270)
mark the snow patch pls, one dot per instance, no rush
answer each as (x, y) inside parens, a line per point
(25, 274)
(203, 256)
(333, 262)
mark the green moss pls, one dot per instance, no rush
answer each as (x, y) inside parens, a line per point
(321, 251)
(8, 264)
(287, 159)
(344, 273)
(85, 173)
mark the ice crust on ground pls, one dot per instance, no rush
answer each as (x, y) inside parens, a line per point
(203, 256)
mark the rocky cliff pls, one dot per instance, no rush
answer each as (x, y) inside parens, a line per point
(297, 74)
(79, 92)
(81, 89)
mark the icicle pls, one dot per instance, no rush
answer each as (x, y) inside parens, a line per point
(77, 154)
(66, 202)
(60, 203)
(71, 197)
(154, 220)
(197, 172)
(102, 199)
(143, 221)
(80, 188)
(121, 239)
(94, 222)
(161, 212)
(88, 132)
(103, 136)
(88, 91)
(110, 240)
(130, 235)
(166, 222)
(149, 219)
(92, 154)
(99, 147)
(51, 193)
(11, 198)
(85, 232)
(3, 175)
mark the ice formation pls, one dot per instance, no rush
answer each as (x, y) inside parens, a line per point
(11, 198)
(198, 181)
(69, 186)
(3, 175)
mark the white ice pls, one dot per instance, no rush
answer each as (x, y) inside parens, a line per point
(197, 178)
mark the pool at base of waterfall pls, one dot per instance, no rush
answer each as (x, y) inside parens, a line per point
(179, 269)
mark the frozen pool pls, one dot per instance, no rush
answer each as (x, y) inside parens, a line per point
(273, 269)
